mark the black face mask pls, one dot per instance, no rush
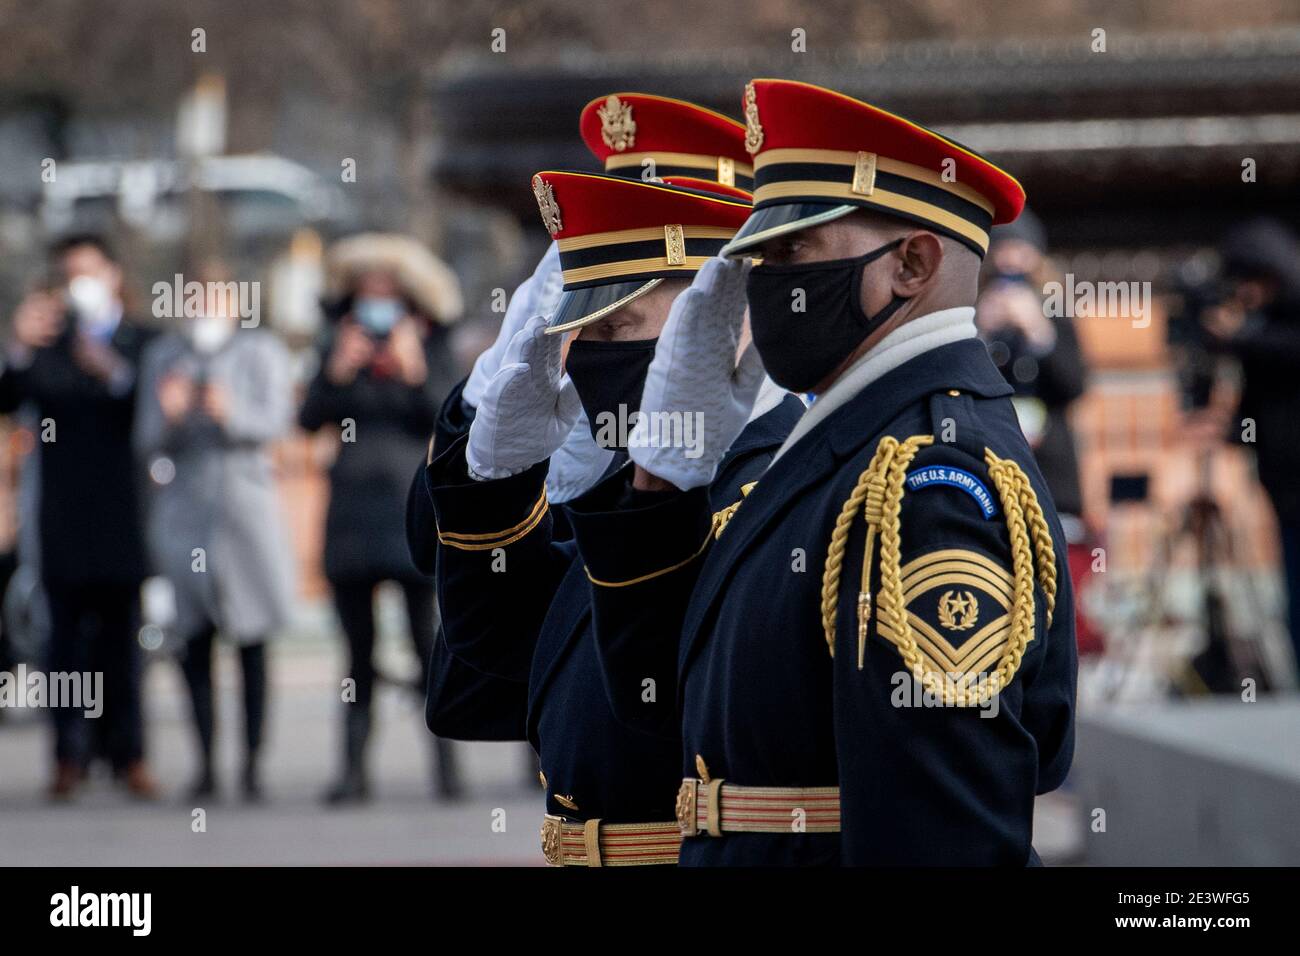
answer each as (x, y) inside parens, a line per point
(799, 349)
(607, 375)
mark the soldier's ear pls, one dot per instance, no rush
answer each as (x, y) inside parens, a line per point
(919, 257)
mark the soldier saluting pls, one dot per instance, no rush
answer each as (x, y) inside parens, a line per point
(517, 659)
(871, 659)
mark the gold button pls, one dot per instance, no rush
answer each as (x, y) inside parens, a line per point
(953, 392)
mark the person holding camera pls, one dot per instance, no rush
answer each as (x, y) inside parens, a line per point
(385, 369)
(1258, 322)
(1040, 357)
(1038, 354)
(214, 395)
(73, 358)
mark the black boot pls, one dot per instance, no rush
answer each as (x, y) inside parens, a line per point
(446, 770)
(252, 780)
(352, 787)
(204, 786)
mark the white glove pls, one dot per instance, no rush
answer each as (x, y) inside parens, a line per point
(578, 464)
(528, 407)
(536, 295)
(695, 381)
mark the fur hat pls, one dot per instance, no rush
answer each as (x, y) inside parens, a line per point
(422, 276)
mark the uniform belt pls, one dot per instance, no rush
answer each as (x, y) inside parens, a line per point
(715, 807)
(594, 843)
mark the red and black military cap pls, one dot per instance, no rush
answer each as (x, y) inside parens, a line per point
(819, 155)
(619, 238)
(623, 130)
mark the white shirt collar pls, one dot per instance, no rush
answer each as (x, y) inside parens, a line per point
(770, 395)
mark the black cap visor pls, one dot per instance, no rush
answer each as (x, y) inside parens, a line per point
(579, 307)
(772, 221)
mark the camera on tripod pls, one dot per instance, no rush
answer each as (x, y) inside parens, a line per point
(1197, 290)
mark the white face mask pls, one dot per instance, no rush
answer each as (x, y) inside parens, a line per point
(91, 299)
(208, 333)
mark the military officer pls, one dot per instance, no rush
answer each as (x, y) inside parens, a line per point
(515, 602)
(634, 135)
(638, 136)
(870, 660)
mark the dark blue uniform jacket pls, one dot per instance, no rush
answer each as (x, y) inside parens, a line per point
(736, 644)
(518, 659)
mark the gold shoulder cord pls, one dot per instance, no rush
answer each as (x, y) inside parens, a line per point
(1023, 493)
(879, 495)
(723, 518)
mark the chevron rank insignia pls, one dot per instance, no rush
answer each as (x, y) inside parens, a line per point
(959, 606)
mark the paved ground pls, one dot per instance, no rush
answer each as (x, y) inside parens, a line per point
(402, 825)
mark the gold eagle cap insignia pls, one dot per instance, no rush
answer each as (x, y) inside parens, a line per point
(547, 205)
(753, 128)
(958, 612)
(617, 128)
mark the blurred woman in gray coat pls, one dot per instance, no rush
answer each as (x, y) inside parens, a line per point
(213, 396)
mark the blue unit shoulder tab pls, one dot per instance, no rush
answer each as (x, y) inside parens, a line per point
(931, 475)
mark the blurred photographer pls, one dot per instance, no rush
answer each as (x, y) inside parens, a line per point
(73, 358)
(213, 397)
(1040, 357)
(385, 371)
(1257, 320)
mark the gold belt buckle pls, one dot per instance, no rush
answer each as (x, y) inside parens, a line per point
(552, 839)
(687, 819)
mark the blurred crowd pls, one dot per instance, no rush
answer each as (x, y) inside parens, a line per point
(153, 462)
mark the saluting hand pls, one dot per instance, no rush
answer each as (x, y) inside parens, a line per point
(536, 295)
(695, 375)
(528, 407)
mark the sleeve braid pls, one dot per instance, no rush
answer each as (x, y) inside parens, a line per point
(867, 494)
(1044, 550)
(893, 604)
(1007, 476)
(879, 493)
